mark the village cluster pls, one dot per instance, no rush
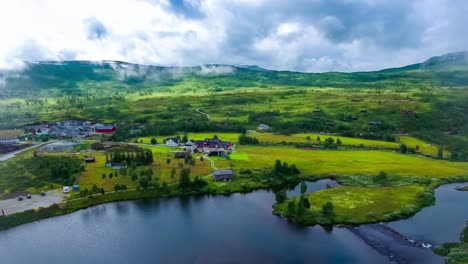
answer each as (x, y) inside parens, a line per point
(70, 129)
(210, 146)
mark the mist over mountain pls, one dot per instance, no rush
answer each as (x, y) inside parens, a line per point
(68, 76)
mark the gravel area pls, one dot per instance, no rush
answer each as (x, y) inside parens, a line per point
(11, 206)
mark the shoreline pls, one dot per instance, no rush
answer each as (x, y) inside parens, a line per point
(70, 206)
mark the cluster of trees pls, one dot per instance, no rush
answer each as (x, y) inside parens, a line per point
(329, 143)
(94, 190)
(282, 168)
(247, 140)
(171, 127)
(405, 149)
(120, 187)
(185, 182)
(138, 158)
(299, 208)
(58, 169)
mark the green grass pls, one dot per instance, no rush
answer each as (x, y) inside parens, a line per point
(33, 174)
(349, 162)
(355, 205)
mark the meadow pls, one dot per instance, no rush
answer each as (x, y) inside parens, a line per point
(355, 205)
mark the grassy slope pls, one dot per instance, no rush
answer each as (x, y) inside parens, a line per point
(269, 138)
(350, 162)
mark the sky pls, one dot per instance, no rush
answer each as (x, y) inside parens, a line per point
(296, 35)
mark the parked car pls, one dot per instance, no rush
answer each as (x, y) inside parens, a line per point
(20, 198)
(43, 194)
(28, 196)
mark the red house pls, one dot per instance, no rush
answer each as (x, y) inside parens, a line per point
(106, 129)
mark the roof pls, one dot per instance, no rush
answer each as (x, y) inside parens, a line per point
(105, 127)
(175, 139)
(263, 126)
(222, 172)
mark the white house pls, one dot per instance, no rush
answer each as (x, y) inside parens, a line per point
(172, 142)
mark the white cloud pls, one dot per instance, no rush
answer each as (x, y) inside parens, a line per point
(305, 35)
(217, 70)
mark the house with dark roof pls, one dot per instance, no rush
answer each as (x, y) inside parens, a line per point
(180, 155)
(223, 175)
(172, 142)
(214, 142)
(89, 159)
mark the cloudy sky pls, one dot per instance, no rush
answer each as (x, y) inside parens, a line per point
(301, 35)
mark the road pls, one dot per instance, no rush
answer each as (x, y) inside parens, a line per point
(11, 206)
(13, 154)
(211, 162)
(200, 112)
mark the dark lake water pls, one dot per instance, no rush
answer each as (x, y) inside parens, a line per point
(235, 229)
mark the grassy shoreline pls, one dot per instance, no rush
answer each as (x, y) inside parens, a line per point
(74, 205)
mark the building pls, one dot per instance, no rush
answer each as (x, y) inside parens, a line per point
(172, 142)
(8, 140)
(374, 123)
(263, 128)
(89, 159)
(135, 132)
(223, 175)
(106, 129)
(180, 155)
(214, 142)
(116, 166)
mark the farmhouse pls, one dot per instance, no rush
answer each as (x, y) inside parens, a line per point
(223, 175)
(106, 129)
(172, 142)
(214, 142)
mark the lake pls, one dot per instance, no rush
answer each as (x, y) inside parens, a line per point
(239, 228)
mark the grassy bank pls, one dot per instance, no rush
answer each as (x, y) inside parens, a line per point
(455, 252)
(356, 205)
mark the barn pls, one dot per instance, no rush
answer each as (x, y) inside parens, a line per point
(106, 129)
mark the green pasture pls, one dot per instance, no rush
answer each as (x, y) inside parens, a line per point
(353, 204)
(350, 162)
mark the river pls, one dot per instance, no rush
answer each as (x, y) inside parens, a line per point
(239, 228)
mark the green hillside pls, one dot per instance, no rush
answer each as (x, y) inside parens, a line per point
(426, 100)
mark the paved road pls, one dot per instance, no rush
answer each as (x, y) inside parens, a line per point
(11, 206)
(200, 112)
(13, 154)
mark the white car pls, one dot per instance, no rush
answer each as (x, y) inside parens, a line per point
(66, 189)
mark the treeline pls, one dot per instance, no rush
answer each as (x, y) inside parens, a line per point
(57, 169)
(139, 158)
(168, 128)
(282, 168)
(185, 182)
(247, 140)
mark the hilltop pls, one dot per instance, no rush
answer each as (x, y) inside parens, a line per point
(74, 77)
